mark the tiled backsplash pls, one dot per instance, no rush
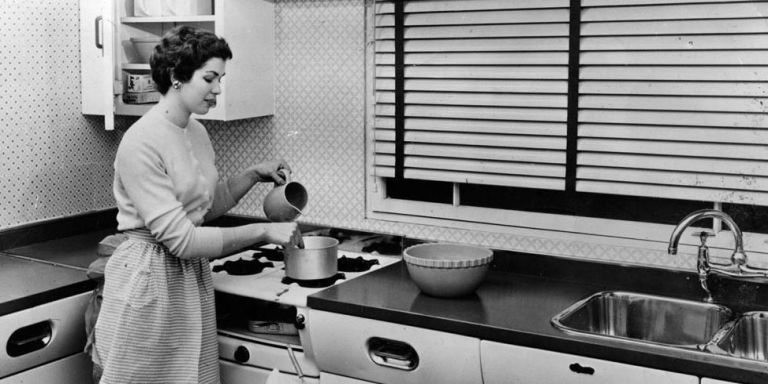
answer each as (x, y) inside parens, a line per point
(56, 162)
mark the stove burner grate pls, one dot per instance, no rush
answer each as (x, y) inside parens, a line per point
(357, 264)
(275, 254)
(316, 283)
(242, 267)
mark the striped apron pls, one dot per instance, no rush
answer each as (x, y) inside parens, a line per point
(158, 320)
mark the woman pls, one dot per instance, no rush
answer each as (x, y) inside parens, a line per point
(157, 322)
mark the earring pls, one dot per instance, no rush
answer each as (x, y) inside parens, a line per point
(176, 84)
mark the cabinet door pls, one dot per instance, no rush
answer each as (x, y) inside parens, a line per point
(74, 369)
(248, 88)
(329, 378)
(97, 25)
(384, 352)
(705, 380)
(510, 364)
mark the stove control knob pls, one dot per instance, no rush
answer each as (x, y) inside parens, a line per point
(242, 355)
(300, 320)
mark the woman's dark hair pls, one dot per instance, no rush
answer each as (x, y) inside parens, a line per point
(182, 51)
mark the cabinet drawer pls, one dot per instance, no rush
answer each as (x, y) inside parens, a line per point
(74, 369)
(385, 352)
(43, 333)
(509, 364)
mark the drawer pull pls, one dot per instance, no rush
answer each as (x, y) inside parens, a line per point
(29, 339)
(578, 368)
(392, 354)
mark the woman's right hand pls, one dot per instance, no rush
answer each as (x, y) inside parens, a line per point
(285, 234)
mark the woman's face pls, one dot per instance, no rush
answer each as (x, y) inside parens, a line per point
(199, 93)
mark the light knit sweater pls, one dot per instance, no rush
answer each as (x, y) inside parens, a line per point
(166, 181)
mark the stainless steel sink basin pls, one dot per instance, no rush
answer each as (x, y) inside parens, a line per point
(746, 337)
(644, 318)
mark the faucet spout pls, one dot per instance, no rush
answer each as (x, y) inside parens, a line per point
(738, 267)
(693, 217)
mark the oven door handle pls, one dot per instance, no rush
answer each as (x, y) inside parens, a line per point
(295, 363)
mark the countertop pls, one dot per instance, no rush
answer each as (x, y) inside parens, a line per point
(27, 283)
(44, 262)
(517, 301)
(76, 251)
(514, 304)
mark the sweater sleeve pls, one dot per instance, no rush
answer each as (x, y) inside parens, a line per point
(222, 201)
(150, 191)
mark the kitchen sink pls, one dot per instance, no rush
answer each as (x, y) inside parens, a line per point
(644, 318)
(746, 337)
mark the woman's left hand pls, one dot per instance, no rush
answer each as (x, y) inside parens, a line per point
(272, 170)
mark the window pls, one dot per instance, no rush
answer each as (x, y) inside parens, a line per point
(603, 117)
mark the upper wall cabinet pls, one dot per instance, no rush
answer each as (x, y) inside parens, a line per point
(115, 72)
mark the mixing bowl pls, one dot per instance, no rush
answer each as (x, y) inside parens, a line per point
(447, 270)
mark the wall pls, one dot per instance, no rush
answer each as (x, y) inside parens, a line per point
(56, 162)
(319, 128)
(53, 160)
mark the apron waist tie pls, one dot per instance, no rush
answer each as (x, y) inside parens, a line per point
(141, 234)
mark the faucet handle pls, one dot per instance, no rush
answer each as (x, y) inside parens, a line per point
(703, 235)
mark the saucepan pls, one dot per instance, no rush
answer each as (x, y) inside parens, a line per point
(316, 261)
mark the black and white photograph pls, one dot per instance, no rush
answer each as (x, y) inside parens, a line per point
(383, 192)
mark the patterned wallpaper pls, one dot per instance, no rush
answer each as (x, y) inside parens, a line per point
(56, 162)
(53, 160)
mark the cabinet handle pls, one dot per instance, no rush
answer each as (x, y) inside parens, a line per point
(392, 354)
(578, 368)
(98, 25)
(30, 338)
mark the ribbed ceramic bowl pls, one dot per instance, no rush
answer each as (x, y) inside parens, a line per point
(447, 270)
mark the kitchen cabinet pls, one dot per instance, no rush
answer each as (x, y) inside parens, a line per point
(352, 349)
(509, 364)
(329, 378)
(45, 341)
(107, 56)
(74, 369)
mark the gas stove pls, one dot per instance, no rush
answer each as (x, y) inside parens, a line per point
(259, 273)
(261, 314)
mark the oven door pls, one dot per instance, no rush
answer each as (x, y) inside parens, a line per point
(235, 373)
(242, 354)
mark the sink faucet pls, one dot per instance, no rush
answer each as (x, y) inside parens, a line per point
(738, 267)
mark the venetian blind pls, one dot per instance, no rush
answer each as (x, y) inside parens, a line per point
(672, 99)
(485, 85)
